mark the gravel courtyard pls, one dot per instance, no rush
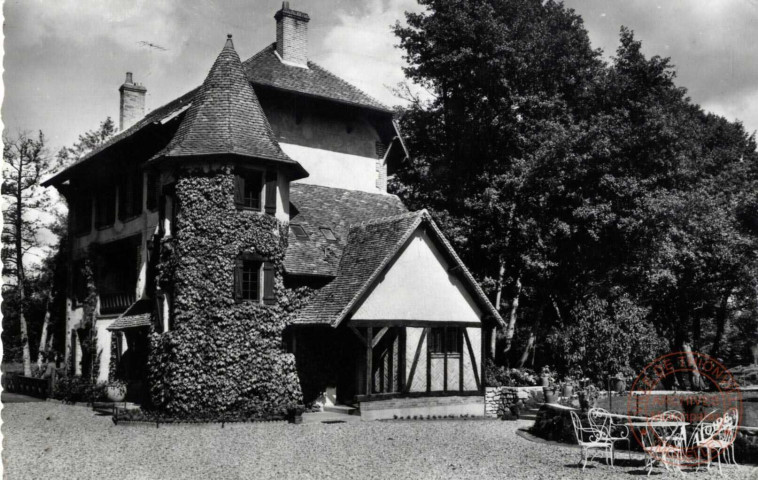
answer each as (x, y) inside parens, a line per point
(54, 441)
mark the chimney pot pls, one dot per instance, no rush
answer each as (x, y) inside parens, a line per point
(292, 35)
(132, 102)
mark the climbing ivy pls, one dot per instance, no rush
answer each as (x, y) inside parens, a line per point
(221, 356)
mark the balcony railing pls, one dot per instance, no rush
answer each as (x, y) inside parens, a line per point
(116, 302)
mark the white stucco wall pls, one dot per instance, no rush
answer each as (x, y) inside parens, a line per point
(417, 286)
(333, 169)
(104, 346)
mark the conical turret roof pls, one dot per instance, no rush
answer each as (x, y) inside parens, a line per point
(226, 119)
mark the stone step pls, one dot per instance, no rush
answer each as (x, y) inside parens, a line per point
(343, 409)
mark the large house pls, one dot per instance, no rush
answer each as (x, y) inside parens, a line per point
(387, 318)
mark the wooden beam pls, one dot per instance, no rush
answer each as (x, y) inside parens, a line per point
(409, 381)
(444, 363)
(460, 370)
(357, 334)
(369, 362)
(429, 362)
(473, 359)
(401, 359)
(379, 336)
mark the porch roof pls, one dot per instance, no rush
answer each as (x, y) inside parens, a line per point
(371, 247)
(137, 315)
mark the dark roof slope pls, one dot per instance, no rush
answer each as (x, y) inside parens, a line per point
(336, 209)
(265, 69)
(225, 117)
(371, 246)
(166, 111)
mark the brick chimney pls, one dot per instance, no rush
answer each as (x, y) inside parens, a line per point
(292, 36)
(132, 104)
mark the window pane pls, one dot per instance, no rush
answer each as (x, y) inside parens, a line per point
(251, 280)
(298, 231)
(328, 234)
(252, 192)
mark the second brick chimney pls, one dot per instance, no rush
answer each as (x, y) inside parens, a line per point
(132, 104)
(292, 36)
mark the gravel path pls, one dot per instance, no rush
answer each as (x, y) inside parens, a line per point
(54, 441)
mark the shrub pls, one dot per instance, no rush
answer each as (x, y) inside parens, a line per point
(78, 389)
(499, 376)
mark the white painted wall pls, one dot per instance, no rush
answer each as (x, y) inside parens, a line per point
(334, 169)
(417, 286)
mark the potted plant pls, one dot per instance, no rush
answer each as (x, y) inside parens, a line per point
(116, 391)
(567, 387)
(587, 397)
(546, 376)
(295, 414)
(619, 385)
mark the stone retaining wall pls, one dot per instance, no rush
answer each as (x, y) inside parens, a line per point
(494, 395)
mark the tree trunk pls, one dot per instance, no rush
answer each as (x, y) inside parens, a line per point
(511, 328)
(21, 279)
(43, 336)
(499, 285)
(721, 319)
(528, 349)
(694, 372)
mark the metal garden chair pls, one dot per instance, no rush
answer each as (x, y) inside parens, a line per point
(590, 438)
(601, 420)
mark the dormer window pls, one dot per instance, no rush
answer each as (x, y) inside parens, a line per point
(328, 234)
(298, 231)
(249, 189)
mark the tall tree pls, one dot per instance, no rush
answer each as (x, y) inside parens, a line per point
(25, 160)
(87, 142)
(503, 75)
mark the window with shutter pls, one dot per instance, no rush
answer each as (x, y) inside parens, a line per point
(268, 283)
(247, 280)
(271, 192)
(247, 189)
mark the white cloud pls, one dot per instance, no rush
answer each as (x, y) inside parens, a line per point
(361, 48)
(37, 22)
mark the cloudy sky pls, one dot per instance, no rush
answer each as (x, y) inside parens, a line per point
(65, 59)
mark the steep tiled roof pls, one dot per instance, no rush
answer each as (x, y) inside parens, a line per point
(173, 108)
(336, 209)
(371, 246)
(137, 315)
(226, 118)
(265, 69)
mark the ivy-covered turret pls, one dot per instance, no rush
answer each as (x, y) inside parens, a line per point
(227, 181)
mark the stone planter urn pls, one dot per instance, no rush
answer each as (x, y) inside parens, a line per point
(551, 395)
(545, 381)
(619, 385)
(568, 391)
(116, 391)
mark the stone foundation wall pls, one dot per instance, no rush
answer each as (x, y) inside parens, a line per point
(422, 406)
(494, 395)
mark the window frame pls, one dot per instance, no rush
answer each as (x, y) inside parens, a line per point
(241, 177)
(304, 235)
(441, 338)
(266, 279)
(323, 231)
(257, 273)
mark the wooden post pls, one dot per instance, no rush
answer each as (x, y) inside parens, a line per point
(444, 363)
(369, 361)
(460, 363)
(429, 361)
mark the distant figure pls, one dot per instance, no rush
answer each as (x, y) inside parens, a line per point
(49, 372)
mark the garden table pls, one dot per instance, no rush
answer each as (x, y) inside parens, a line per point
(663, 424)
